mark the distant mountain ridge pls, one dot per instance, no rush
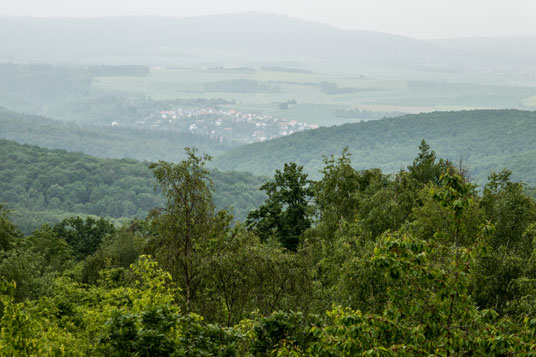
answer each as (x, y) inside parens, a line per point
(254, 34)
(215, 39)
(513, 50)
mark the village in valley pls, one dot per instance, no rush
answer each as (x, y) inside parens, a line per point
(225, 124)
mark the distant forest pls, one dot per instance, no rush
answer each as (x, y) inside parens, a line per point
(106, 142)
(45, 185)
(66, 93)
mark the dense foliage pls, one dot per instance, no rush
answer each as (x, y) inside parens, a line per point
(390, 143)
(413, 263)
(286, 214)
(332, 88)
(55, 182)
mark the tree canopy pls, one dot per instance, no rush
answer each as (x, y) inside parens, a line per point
(418, 262)
(286, 213)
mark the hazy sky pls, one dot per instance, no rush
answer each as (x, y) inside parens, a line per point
(414, 18)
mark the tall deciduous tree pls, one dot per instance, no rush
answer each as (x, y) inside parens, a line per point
(186, 221)
(510, 209)
(8, 231)
(84, 235)
(335, 193)
(286, 214)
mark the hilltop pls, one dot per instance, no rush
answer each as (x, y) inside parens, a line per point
(486, 140)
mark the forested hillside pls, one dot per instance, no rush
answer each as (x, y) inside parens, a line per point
(357, 263)
(66, 93)
(69, 93)
(105, 142)
(45, 185)
(485, 140)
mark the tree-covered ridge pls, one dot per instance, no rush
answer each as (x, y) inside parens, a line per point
(56, 182)
(486, 140)
(413, 263)
(69, 93)
(106, 142)
(66, 93)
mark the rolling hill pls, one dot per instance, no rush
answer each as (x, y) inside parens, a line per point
(486, 140)
(247, 39)
(44, 186)
(104, 141)
(167, 40)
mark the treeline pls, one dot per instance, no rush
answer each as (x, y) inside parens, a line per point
(286, 69)
(229, 69)
(357, 263)
(240, 86)
(55, 182)
(120, 70)
(484, 140)
(331, 88)
(356, 113)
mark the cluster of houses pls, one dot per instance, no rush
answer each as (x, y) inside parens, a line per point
(226, 124)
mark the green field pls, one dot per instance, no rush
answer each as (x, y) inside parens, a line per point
(315, 106)
(530, 101)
